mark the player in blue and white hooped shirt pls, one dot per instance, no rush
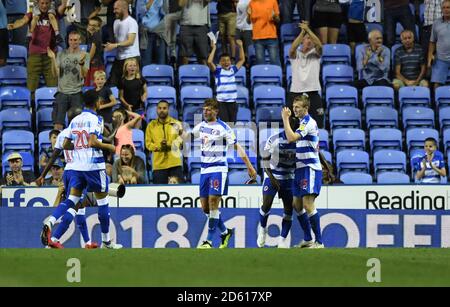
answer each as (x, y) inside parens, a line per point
(216, 136)
(431, 166)
(279, 166)
(308, 172)
(88, 165)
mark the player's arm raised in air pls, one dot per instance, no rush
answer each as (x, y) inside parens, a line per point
(56, 153)
(290, 134)
(243, 155)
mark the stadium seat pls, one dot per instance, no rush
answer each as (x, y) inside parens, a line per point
(268, 115)
(442, 96)
(15, 118)
(393, 178)
(14, 97)
(415, 117)
(356, 178)
(115, 92)
(194, 162)
(324, 139)
(192, 114)
(195, 175)
(399, 28)
(244, 115)
(378, 96)
(240, 177)
(109, 57)
(336, 73)
(44, 119)
(348, 139)
(241, 77)
(286, 59)
(265, 75)
(193, 74)
(138, 139)
(385, 138)
(44, 141)
(268, 95)
(381, 117)
(345, 117)
(194, 95)
(288, 32)
(161, 92)
(415, 137)
(373, 26)
(236, 162)
(389, 160)
(327, 155)
(288, 76)
(243, 97)
(246, 137)
(18, 55)
(264, 134)
(13, 75)
(446, 141)
(414, 96)
(156, 74)
(17, 140)
(352, 160)
(44, 97)
(151, 113)
(28, 162)
(339, 95)
(336, 54)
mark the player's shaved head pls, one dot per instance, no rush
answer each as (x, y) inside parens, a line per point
(91, 99)
(122, 4)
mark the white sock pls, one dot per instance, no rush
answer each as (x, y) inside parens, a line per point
(105, 237)
(51, 221)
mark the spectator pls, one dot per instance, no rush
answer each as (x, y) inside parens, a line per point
(306, 70)
(356, 30)
(409, 61)
(226, 11)
(432, 12)
(173, 16)
(107, 99)
(431, 166)
(327, 19)
(16, 10)
(174, 180)
(226, 82)
(47, 153)
(287, 9)
(127, 41)
(194, 29)
(440, 42)
(57, 174)
(264, 15)
(396, 11)
(163, 140)
(17, 177)
(244, 28)
(51, 16)
(95, 49)
(153, 45)
(4, 38)
(123, 123)
(71, 66)
(373, 62)
(43, 38)
(132, 87)
(129, 168)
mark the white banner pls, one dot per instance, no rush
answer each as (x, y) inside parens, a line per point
(408, 197)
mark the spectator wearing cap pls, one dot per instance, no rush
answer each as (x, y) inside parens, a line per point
(17, 177)
(57, 173)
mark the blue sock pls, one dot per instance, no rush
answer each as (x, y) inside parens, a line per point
(263, 216)
(103, 217)
(221, 225)
(314, 218)
(80, 219)
(62, 208)
(305, 225)
(65, 222)
(214, 216)
(286, 224)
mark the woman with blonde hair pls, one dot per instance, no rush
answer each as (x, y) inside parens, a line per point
(132, 87)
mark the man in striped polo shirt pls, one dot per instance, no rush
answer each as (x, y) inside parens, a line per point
(226, 87)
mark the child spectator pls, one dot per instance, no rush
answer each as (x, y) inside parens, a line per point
(107, 99)
(47, 153)
(174, 180)
(431, 166)
(51, 16)
(95, 49)
(132, 88)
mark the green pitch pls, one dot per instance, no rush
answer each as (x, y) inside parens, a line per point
(230, 267)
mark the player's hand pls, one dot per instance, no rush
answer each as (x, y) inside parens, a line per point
(286, 113)
(39, 181)
(252, 172)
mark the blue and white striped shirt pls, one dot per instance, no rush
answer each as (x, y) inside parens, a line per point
(282, 156)
(226, 84)
(430, 175)
(307, 151)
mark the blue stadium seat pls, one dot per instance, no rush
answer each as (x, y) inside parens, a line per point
(244, 115)
(268, 115)
(373, 26)
(414, 96)
(241, 77)
(348, 139)
(264, 134)
(194, 162)
(345, 117)
(138, 139)
(44, 141)
(393, 178)
(243, 97)
(191, 112)
(338, 95)
(336, 73)
(18, 140)
(288, 32)
(446, 141)
(15, 118)
(84, 47)
(195, 175)
(324, 139)
(288, 76)
(265, 75)
(268, 95)
(385, 138)
(156, 74)
(115, 92)
(381, 117)
(44, 119)
(286, 49)
(356, 178)
(389, 160)
(444, 118)
(336, 54)
(28, 162)
(327, 155)
(442, 96)
(13, 75)
(151, 113)
(161, 92)
(109, 57)
(399, 29)
(235, 162)
(378, 96)
(193, 74)
(415, 156)
(44, 97)
(415, 137)
(246, 137)
(194, 95)
(18, 55)
(352, 160)
(14, 97)
(240, 177)
(415, 117)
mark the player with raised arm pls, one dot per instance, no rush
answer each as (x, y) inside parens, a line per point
(308, 171)
(216, 136)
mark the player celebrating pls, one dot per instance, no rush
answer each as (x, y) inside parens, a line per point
(215, 137)
(279, 165)
(308, 172)
(88, 164)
